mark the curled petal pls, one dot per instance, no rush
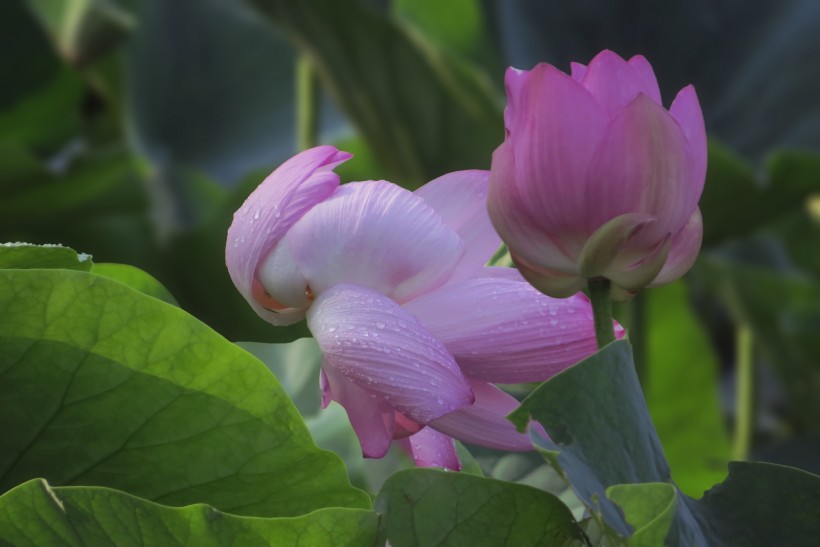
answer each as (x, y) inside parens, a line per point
(460, 199)
(615, 82)
(372, 420)
(371, 341)
(269, 212)
(376, 235)
(683, 250)
(642, 165)
(485, 422)
(429, 448)
(515, 334)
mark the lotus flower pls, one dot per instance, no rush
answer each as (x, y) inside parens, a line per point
(596, 178)
(412, 326)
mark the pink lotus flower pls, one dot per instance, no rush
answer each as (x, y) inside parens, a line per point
(413, 328)
(596, 178)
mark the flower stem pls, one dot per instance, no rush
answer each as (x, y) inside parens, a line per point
(601, 310)
(307, 104)
(744, 393)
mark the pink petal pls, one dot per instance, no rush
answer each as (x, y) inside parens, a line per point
(686, 110)
(270, 211)
(515, 82)
(615, 83)
(376, 235)
(505, 331)
(371, 341)
(510, 215)
(552, 143)
(460, 199)
(577, 71)
(649, 83)
(642, 165)
(429, 448)
(372, 420)
(485, 422)
(683, 251)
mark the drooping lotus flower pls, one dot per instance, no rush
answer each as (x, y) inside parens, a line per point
(596, 178)
(413, 328)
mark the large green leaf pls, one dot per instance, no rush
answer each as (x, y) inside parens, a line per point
(424, 507)
(103, 385)
(611, 442)
(136, 279)
(422, 113)
(601, 438)
(36, 514)
(649, 508)
(682, 390)
(26, 256)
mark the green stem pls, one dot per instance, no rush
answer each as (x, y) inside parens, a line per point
(601, 310)
(744, 394)
(307, 104)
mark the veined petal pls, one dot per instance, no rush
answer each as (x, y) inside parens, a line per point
(552, 143)
(485, 422)
(460, 199)
(371, 341)
(686, 111)
(505, 331)
(429, 448)
(372, 420)
(642, 165)
(269, 212)
(510, 216)
(615, 82)
(683, 251)
(377, 235)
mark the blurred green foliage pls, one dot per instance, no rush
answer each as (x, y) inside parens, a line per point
(132, 131)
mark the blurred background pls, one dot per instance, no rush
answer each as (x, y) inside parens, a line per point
(131, 130)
